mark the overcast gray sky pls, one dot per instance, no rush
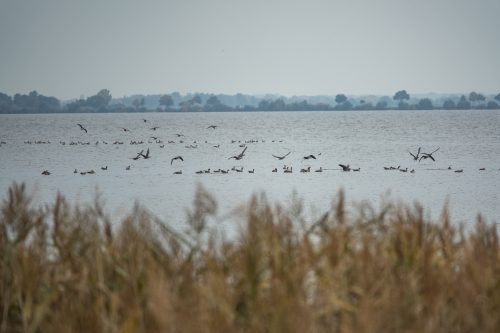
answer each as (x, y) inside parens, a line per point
(68, 48)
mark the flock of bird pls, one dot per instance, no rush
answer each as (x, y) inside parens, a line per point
(145, 155)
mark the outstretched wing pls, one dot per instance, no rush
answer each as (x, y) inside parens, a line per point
(343, 166)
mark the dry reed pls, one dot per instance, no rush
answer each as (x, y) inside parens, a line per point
(74, 269)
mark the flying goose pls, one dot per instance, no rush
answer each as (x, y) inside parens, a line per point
(82, 128)
(428, 155)
(240, 156)
(147, 155)
(415, 157)
(139, 154)
(176, 158)
(281, 157)
(212, 127)
(345, 167)
(309, 156)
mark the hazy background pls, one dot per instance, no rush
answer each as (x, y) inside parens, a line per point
(70, 48)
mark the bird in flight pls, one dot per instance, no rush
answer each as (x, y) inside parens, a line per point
(310, 156)
(282, 157)
(139, 154)
(240, 156)
(345, 167)
(176, 158)
(145, 156)
(82, 128)
(415, 157)
(212, 126)
(428, 155)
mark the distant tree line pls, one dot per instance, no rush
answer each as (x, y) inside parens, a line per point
(175, 102)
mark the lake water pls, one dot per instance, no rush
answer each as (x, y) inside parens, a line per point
(467, 140)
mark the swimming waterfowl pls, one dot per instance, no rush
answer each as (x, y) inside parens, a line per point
(459, 170)
(104, 168)
(251, 171)
(310, 156)
(45, 172)
(288, 170)
(306, 170)
(275, 170)
(127, 168)
(76, 171)
(357, 169)
(178, 172)
(482, 169)
(404, 170)
(319, 170)
(212, 127)
(154, 128)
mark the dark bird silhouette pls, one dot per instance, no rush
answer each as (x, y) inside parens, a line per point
(179, 135)
(428, 155)
(127, 168)
(139, 154)
(275, 170)
(145, 120)
(415, 157)
(251, 171)
(459, 171)
(345, 167)
(176, 158)
(154, 128)
(482, 169)
(319, 170)
(282, 157)
(240, 156)
(178, 172)
(104, 168)
(82, 128)
(125, 129)
(310, 156)
(147, 155)
(45, 173)
(212, 126)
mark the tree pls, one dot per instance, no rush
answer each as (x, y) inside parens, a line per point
(425, 104)
(401, 96)
(381, 105)
(449, 105)
(99, 100)
(492, 105)
(340, 98)
(497, 97)
(138, 103)
(166, 101)
(475, 97)
(463, 103)
(196, 99)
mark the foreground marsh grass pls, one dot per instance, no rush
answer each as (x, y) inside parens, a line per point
(73, 269)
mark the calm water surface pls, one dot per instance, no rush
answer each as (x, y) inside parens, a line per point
(468, 140)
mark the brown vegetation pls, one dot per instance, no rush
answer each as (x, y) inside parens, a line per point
(71, 269)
